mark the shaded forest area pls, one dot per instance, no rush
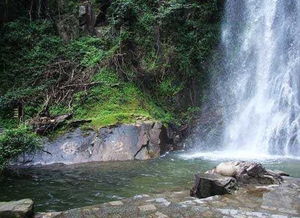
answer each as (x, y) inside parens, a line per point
(104, 61)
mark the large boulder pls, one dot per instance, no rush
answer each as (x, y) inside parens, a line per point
(247, 172)
(16, 209)
(207, 185)
(141, 141)
(228, 176)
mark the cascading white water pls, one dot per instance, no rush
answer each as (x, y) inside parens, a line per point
(262, 50)
(261, 92)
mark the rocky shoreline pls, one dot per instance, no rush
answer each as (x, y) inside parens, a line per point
(255, 199)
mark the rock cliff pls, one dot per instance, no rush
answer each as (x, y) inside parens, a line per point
(141, 141)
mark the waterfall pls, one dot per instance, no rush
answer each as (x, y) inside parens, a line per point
(261, 41)
(260, 94)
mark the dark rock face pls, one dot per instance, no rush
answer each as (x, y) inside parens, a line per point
(16, 209)
(226, 177)
(101, 17)
(207, 185)
(87, 17)
(125, 142)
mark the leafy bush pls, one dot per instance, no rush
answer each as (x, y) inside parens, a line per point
(14, 142)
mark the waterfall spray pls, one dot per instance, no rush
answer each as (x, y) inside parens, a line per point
(260, 96)
(262, 44)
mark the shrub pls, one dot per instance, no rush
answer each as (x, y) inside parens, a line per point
(14, 142)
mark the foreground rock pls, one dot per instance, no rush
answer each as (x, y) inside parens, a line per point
(228, 176)
(124, 142)
(248, 172)
(252, 201)
(16, 209)
(207, 185)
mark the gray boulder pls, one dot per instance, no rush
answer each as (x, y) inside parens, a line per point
(228, 176)
(141, 141)
(16, 209)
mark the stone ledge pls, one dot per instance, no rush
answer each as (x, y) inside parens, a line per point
(16, 209)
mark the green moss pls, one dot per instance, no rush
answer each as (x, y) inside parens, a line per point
(115, 101)
(59, 109)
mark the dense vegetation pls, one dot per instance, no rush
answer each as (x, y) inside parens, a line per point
(13, 142)
(138, 59)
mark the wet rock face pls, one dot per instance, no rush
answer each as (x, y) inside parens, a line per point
(125, 142)
(17, 209)
(228, 176)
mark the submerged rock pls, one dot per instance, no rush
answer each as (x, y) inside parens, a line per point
(16, 209)
(124, 142)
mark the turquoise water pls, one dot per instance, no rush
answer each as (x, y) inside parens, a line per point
(58, 187)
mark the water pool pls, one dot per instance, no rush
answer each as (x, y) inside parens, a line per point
(61, 187)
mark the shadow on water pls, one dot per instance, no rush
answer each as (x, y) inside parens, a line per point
(61, 187)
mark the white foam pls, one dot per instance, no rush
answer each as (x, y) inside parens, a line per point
(234, 155)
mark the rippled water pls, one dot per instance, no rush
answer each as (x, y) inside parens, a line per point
(55, 188)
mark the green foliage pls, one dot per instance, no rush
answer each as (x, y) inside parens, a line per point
(167, 44)
(14, 142)
(115, 101)
(149, 53)
(190, 113)
(123, 12)
(87, 50)
(17, 94)
(58, 109)
(168, 88)
(8, 123)
(24, 47)
(34, 68)
(149, 60)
